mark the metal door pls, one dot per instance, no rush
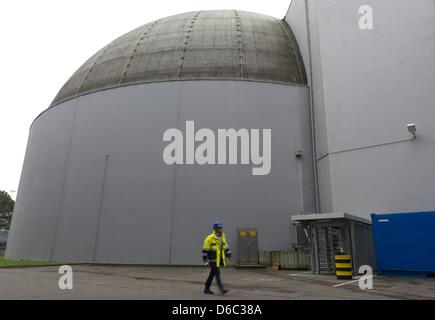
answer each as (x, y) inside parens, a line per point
(247, 246)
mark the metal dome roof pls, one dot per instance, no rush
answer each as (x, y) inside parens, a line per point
(233, 45)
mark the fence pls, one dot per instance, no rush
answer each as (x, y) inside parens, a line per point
(3, 241)
(292, 260)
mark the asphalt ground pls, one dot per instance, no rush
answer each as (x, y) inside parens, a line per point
(174, 283)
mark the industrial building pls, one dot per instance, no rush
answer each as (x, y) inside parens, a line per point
(96, 187)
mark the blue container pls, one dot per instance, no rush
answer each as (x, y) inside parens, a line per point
(405, 243)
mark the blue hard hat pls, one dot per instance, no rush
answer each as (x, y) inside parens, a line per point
(217, 224)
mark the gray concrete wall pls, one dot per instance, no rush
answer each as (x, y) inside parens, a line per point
(95, 188)
(296, 18)
(368, 85)
(302, 18)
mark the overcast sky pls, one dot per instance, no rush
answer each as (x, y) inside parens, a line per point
(44, 42)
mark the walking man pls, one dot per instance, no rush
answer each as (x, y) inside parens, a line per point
(214, 252)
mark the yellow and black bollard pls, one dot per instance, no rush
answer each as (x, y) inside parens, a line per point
(343, 267)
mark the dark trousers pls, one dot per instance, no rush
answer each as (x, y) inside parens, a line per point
(214, 272)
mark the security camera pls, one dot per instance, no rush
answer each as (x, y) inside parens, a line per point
(412, 128)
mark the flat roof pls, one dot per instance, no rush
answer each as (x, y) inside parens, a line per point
(329, 216)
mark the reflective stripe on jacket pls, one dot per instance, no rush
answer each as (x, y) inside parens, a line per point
(212, 250)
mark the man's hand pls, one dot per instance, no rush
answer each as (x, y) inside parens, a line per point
(204, 259)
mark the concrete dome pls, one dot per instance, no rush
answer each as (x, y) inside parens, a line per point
(231, 45)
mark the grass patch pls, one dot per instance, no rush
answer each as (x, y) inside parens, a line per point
(13, 263)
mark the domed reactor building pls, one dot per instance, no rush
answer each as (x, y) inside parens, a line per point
(231, 116)
(95, 186)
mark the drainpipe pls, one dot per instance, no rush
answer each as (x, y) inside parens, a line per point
(313, 130)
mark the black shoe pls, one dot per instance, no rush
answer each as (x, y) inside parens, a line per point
(224, 291)
(208, 291)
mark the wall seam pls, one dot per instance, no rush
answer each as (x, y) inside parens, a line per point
(67, 161)
(186, 43)
(134, 50)
(100, 209)
(174, 185)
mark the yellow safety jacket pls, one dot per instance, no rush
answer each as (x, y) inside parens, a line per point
(215, 251)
